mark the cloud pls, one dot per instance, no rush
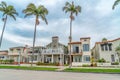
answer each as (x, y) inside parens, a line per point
(104, 8)
(97, 20)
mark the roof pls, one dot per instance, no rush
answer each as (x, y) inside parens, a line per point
(55, 37)
(75, 43)
(5, 52)
(85, 38)
(107, 41)
(17, 47)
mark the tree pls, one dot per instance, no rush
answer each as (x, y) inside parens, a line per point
(7, 10)
(72, 9)
(104, 40)
(115, 4)
(39, 11)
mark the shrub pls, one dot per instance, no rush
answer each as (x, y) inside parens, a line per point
(11, 61)
(85, 65)
(101, 60)
(47, 64)
(115, 63)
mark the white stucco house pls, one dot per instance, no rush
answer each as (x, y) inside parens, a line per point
(106, 50)
(81, 52)
(54, 52)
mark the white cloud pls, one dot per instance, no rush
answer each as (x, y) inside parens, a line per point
(104, 8)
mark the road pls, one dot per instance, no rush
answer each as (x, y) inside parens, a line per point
(7, 74)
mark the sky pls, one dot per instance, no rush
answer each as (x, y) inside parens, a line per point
(96, 20)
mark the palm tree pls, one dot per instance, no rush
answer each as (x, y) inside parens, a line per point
(115, 4)
(72, 9)
(7, 10)
(39, 11)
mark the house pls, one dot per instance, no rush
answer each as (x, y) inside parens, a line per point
(106, 50)
(17, 54)
(24, 54)
(3, 55)
(54, 52)
(80, 52)
(36, 55)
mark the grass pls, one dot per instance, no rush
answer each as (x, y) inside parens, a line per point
(28, 68)
(92, 70)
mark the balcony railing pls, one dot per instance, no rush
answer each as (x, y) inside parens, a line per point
(53, 51)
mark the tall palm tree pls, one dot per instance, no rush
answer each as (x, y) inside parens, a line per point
(115, 4)
(72, 9)
(7, 10)
(39, 11)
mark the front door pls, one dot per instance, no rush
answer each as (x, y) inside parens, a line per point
(113, 58)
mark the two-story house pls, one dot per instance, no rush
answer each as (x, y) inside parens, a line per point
(4, 55)
(80, 52)
(17, 54)
(54, 52)
(106, 50)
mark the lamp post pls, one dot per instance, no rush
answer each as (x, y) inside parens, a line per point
(19, 52)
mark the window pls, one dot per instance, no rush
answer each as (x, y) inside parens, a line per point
(110, 47)
(85, 47)
(35, 58)
(106, 48)
(75, 49)
(77, 58)
(86, 58)
(102, 47)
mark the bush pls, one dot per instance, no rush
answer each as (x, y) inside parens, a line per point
(115, 63)
(11, 61)
(101, 60)
(47, 64)
(6, 61)
(86, 65)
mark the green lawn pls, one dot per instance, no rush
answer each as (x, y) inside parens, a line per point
(92, 70)
(28, 68)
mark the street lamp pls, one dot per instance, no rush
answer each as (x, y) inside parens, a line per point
(19, 52)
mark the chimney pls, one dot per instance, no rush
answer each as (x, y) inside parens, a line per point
(55, 39)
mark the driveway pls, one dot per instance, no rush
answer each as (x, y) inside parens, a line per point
(7, 74)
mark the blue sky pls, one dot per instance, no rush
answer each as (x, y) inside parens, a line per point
(97, 20)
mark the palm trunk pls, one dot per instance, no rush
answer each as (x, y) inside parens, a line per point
(3, 30)
(34, 41)
(70, 40)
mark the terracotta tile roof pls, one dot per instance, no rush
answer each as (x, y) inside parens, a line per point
(55, 37)
(75, 43)
(85, 38)
(107, 41)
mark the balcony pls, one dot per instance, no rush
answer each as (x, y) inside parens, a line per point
(53, 51)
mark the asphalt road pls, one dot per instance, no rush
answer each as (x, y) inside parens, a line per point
(7, 74)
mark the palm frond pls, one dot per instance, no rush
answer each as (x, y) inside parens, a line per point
(31, 6)
(4, 4)
(68, 4)
(13, 16)
(115, 4)
(71, 8)
(28, 14)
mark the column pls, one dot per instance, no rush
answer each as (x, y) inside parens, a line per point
(52, 59)
(43, 58)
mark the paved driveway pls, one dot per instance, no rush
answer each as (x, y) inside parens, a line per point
(44, 75)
